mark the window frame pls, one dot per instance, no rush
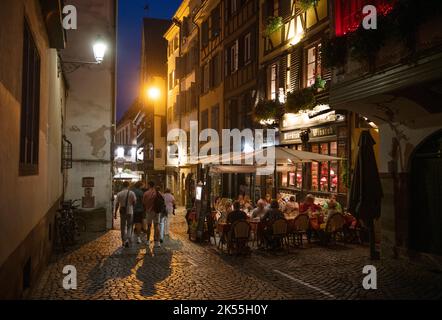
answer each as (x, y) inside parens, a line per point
(30, 105)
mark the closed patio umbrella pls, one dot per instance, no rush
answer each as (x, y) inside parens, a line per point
(366, 190)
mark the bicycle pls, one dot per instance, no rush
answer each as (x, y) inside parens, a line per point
(68, 225)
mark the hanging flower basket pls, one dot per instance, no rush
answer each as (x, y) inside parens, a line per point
(267, 110)
(300, 100)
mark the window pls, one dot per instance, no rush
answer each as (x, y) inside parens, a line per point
(30, 106)
(205, 34)
(176, 42)
(171, 82)
(234, 57)
(216, 22)
(215, 118)
(273, 81)
(233, 6)
(288, 79)
(216, 70)
(247, 49)
(206, 78)
(204, 119)
(313, 64)
(325, 176)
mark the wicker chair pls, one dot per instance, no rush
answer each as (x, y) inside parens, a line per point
(239, 236)
(334, 226)
(280, 232)
(300, 227)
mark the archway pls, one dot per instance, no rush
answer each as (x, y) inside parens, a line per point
(425, 228)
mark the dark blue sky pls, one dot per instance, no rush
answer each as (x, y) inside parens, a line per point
(131, 14)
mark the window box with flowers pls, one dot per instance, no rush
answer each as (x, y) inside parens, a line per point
(273, 29)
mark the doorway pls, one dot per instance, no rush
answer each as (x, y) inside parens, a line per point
(426, 196)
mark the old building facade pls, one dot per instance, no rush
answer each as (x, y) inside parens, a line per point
(151, 120)
(397, 86)
(43, 98)
(183, 97)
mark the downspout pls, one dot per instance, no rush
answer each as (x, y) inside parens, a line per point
(113, 116)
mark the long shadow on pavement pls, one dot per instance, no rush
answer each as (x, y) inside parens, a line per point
(157, 266)
(118, 265)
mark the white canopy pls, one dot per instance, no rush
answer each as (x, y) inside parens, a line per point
(247, 162)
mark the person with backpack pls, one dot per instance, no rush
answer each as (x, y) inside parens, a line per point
(153, 213)
(124, 203)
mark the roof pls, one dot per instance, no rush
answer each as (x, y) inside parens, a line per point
(131, 113)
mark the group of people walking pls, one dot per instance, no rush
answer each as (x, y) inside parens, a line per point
(140, 208)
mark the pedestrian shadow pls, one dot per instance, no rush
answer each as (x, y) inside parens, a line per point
(118, 265)
(157, 266)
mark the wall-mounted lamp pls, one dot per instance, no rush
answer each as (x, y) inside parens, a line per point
(99, 48)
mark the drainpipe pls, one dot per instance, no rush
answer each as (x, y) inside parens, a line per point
(113, 119)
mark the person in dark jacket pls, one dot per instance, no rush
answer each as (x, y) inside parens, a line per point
(139, 212)
(237, 214)
(269, 218)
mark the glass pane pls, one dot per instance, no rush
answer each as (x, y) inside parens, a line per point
(334, 178)
(324, 148)
(315, 185)
(333, 149)
(291, 179)
(324, 177)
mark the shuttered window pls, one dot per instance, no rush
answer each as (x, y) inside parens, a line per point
(30, 106)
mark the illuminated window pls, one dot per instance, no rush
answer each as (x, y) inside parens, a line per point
(273, 81)
(313, 64)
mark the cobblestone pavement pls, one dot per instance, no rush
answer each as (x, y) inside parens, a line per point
(181, 269)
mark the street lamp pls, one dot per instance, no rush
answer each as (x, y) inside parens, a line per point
(153, 93)
(99, 48)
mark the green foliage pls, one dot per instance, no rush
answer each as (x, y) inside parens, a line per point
(299, 100)
(307, 4)
(267, 110)
(273, 24)
(345, 174)
(319, 83)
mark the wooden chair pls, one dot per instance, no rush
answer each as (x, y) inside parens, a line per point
(300, 227)
(239, 236)
(334, 226)
(280, 232)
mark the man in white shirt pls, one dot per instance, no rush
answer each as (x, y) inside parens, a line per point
(125, 201)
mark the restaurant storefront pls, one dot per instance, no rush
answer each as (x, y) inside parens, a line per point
(322, 131)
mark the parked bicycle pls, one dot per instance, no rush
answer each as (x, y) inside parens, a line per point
(68, 224)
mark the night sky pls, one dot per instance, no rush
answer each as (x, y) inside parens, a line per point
(131, 14)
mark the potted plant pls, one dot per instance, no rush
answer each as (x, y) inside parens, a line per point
(272, 30)
(320, 83)
(299, 100)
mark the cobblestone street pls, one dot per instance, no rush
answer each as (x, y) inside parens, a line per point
(181, 269)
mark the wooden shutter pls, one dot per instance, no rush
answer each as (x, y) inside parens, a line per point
(296, 69)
